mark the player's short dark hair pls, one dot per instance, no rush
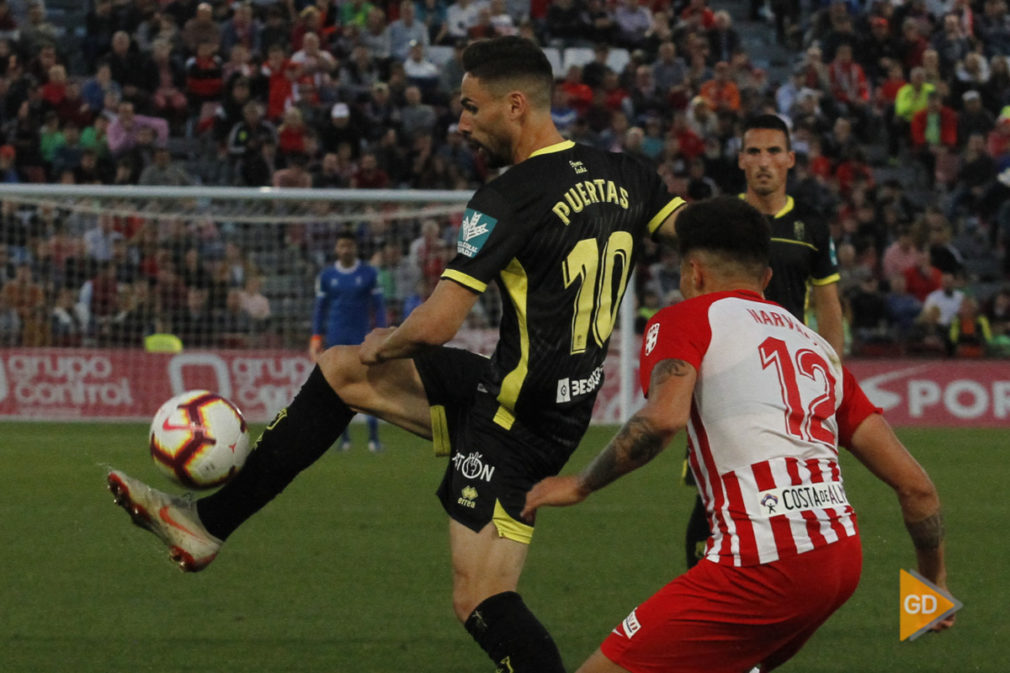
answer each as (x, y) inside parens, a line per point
(728, 227)
(511, 61)
(768, 122)
(347, 234)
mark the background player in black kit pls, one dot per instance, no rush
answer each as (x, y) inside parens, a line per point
(560, 233)
(803, 261)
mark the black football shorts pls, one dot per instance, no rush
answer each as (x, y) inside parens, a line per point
(490, 468)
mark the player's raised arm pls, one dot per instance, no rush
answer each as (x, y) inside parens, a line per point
(877, 447)
(641, 439)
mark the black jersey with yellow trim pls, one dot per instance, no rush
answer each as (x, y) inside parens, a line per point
(802, 254)
(560, 233)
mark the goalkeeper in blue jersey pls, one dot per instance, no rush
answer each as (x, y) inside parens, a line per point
(349, 303)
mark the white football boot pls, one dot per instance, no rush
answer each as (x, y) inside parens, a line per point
(174, 520)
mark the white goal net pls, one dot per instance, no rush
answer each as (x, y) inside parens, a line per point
(116, 298)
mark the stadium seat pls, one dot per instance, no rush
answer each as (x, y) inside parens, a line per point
(576, 56)
(554, 56)
(617, 59)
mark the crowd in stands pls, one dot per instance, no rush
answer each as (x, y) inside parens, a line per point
(900, 118)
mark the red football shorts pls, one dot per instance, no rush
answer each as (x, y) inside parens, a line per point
(721, 619)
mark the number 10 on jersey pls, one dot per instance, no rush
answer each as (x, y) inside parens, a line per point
(599, 291)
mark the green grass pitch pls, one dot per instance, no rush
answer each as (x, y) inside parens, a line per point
(348, 570)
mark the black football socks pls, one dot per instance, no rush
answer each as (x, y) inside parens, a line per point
(512, 636)
(295, 439)
(696, 537)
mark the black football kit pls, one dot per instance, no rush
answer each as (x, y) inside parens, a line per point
(560, 233)
(802, 252)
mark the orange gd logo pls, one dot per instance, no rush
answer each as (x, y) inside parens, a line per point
(923, 604)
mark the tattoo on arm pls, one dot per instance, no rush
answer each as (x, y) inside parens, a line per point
(928, 533)
(636, 444)
(664, 369)
(638, 441)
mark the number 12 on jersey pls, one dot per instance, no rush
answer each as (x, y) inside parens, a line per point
(803, 421)
(598, 296)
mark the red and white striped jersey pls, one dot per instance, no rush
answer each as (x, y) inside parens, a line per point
(770, 405)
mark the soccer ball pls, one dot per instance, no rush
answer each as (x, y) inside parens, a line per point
(199, 439)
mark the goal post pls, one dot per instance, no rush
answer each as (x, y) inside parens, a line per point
(223, 278)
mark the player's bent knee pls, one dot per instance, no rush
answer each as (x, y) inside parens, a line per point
(342, 368)
(468, 594)
(462, 606)
(465, 598)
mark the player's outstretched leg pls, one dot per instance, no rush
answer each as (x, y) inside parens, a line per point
(174, 520)
(296, 438)
(302, 432)
(195, 531)
(337, 388)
